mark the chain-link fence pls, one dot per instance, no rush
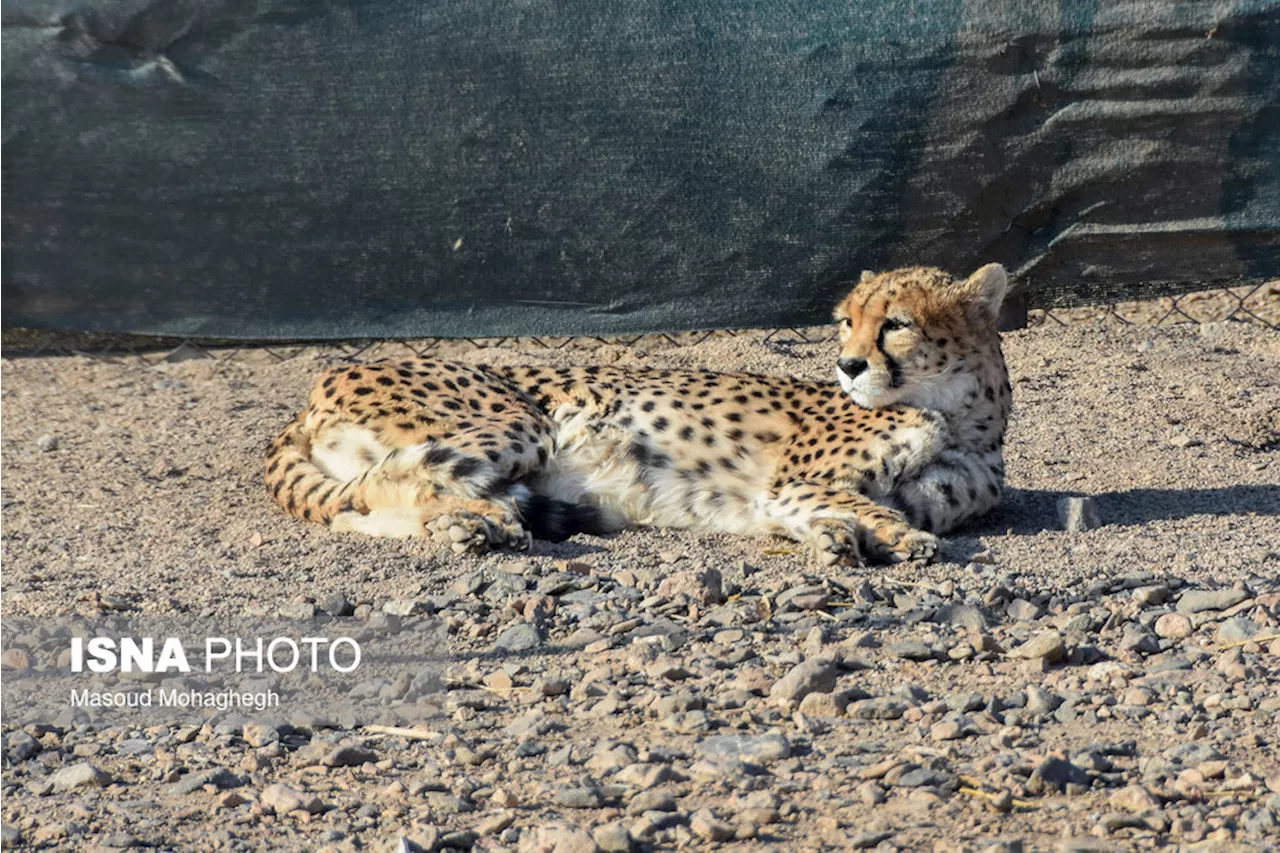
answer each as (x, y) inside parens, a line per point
(1257, 304)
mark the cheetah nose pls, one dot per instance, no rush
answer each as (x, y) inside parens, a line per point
(851, 367)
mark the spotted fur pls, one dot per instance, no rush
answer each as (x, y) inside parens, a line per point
(905, 444)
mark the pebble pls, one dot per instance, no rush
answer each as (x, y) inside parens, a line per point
(816, 675)
(337, 604)
(47, 443)
(705, 824)
(1173, 626)
(910, 650)
(704, 586)
(1056, 774)
(577, 798)
(82, 775)
(612, 838)
(1047, 646)
(867, 840)
(1023, 610)
(349, 755)
(947, 730)
(559, 839)
(1134, 798)
(824, 705)
(882, 708)
(1078, 513)
(282, 799)
(651, 801)
(518, 638)
(758, 749)
(218, 777)
(1041, 701)
(1236, 630)
(494, 824)
(1198, 601)
(258, 734)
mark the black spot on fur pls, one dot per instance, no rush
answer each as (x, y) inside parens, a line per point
(438, 456)
(466, 466)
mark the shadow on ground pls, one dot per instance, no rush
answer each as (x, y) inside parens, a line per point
(1031, 511)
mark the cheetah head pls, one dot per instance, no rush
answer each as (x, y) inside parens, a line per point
(917, 336)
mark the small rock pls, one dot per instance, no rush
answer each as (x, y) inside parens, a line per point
(1023, 610)
(349, 755)
(503, 798)
(281, 799)
(813, 676)
(577, 798)
(1134, 798)
(967, 616)
(880, 708)
(612, 838)
(1056, 774)
(1237, 630)
(651, 801)
(758, 749)
(1200, 600)
(47, 443)
(558, 839)
(824, 705)
(1173, 626)
(258, 734)
(706, 825)
(494, 824)
(82, 775)
(910, 650)
(16, 659)
(336, 604)
(1078, 513)
(518, 638)
(219, 777)
(1047, 646)
(947, 730)
(1137, 639)
(703, 586)
(1150, 596)
(869, 839)
(1041, 701)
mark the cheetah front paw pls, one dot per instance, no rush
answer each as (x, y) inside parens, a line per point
(916, 545)
(894, 541)
(471, 533)
(834, 542)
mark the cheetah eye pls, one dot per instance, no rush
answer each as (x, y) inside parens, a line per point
(892, 324)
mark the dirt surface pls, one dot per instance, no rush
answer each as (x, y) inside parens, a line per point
(1035, 688)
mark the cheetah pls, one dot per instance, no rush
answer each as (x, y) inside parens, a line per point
(905, 444)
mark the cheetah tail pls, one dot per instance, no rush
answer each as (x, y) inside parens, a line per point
(556, 520)
(299, 486)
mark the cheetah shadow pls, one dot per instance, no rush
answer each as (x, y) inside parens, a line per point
(1029, 511)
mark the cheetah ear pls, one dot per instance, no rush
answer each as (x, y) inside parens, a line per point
(867, 275)
(986, 289)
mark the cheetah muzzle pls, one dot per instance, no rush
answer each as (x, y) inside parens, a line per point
(905, 444)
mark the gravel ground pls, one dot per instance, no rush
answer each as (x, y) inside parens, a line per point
(1108, 689)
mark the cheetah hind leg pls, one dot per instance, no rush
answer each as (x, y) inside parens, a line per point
(465, 526)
